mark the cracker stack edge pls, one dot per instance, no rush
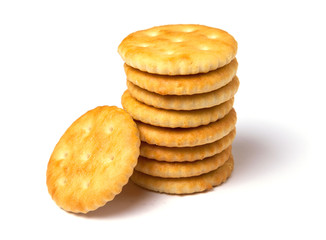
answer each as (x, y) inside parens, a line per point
(181, 83)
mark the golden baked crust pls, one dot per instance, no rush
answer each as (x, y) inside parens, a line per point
(183, 169)
(186, 154)
(180, 49)
(186, 102)
(187, 137)
(182, 84)
(185, 185)
(93, 159)
(172, 118)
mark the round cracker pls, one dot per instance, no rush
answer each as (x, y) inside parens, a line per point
(93, 159)
(183, 169)
(182, 84)
(186, 102)
(185, 185)
(187, 137)
(173, 118)
(186, 154)
(178, 49)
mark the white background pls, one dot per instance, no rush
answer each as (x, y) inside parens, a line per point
(59, 59)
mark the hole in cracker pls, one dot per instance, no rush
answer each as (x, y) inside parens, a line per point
(87, 129)
(62, 181)
(61, 155)
(86, 184)
(85, 157)
(109, 159)
(109, 130)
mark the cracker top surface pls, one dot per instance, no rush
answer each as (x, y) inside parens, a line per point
(178, 49)
(93, 159)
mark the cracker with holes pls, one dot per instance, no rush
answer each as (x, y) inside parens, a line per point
(182, 169)
(178, 49)
(185, 185)
(186, 102)
(182, 84)
(172, 118)
(93, 159)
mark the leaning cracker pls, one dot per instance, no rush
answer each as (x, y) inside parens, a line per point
(186, 154)
(184, 169)
(182, 84)
(187, 102)
(185, 185)
(173, 118)
(93, 159)
(187, 137)
(178, 49)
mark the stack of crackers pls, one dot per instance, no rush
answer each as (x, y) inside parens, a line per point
(176, 131)
(181, 84)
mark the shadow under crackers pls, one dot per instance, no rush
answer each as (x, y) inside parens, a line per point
(131, 199)
(264, 148)
(259, 148)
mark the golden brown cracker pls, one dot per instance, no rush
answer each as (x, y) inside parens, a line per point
(183, 169)
(186, 154)
(185, 185)
(173, 118)
(93, 159)
(186, 102)
(180, 49)
(182, 84)
(187, 137)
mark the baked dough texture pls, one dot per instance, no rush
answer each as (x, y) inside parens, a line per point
(187, 137)
(173, 118)
(186, 102)
(180, 49)
(182, 169)
(182, 84)
(186, 154)
(93, 159)
(185, 185)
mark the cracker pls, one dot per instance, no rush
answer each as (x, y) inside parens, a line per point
(182, 84)
(93, 159)
(186, 154)
(187, 102)
(183, 169)
(187, 137)
(185, 185)
(173, 118)
(178, 49)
